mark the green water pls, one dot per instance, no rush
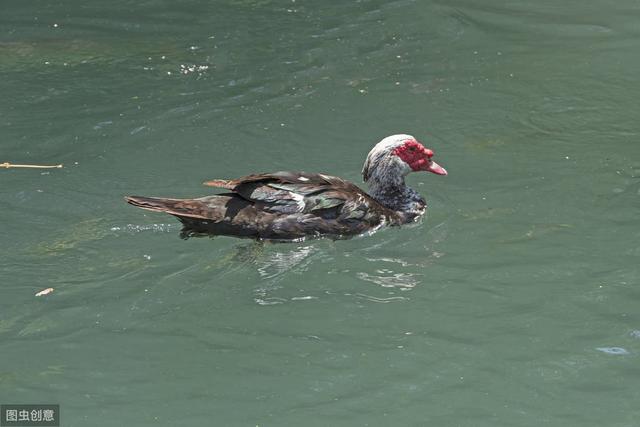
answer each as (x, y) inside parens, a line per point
(516, 303)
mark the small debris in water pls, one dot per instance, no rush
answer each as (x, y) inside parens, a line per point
(269, 301)
(303, 298)
(636, 333)
(7, 165)
(147, 257)
(193, 68)
(44, 292)
(613, 350)
(138, 129)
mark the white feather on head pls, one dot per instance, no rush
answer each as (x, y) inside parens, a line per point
(382, 155)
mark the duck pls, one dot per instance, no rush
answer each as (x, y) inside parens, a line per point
(286, 206)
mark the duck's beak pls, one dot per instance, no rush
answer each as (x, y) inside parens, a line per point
(432, 166)
(428, 165)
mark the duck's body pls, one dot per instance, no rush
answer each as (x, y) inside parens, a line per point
(281, 205)
(295, 205)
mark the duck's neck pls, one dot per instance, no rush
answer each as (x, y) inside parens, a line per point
(394, 194)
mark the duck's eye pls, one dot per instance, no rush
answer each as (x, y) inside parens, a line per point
(412, 148)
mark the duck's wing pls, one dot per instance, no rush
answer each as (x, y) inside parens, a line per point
(301, 192)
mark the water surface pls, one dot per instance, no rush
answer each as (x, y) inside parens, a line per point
(515, 303)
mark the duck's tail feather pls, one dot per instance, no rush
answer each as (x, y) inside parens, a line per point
(227, 214)
(153, 203)
(191, 208)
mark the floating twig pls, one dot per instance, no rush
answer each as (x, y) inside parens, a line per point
(8, 165)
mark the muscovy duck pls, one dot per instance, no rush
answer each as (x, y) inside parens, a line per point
(295, 205)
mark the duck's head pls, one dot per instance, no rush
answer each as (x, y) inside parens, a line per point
(396, 156)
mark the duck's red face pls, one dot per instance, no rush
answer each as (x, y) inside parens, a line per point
(418, 157)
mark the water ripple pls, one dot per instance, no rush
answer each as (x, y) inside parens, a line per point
(156, 228)
(381, 300)
(389, 279)
(618, 351)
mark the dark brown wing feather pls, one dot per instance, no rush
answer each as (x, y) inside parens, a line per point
(290, 192)
(282, 177)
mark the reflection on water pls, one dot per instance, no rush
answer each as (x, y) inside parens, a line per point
(277, 262)
(283, 270)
